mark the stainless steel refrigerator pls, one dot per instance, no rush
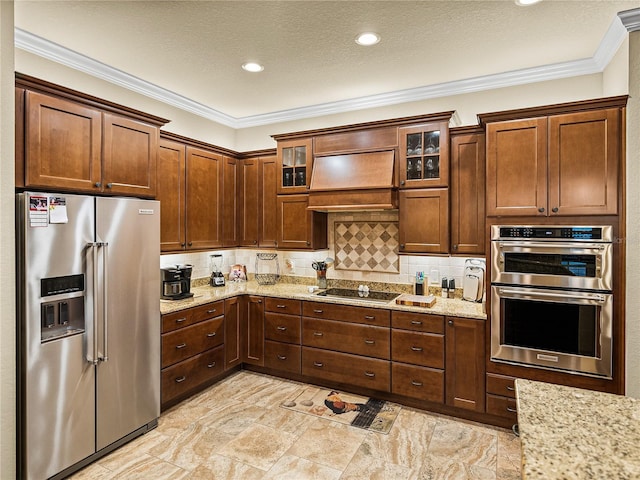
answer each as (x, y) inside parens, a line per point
(88, 327)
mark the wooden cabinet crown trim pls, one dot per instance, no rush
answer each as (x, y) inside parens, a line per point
(555, 109)
(192, 142)
(42, 86)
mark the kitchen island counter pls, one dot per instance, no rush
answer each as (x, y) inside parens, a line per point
(571, 433)
(207, 294)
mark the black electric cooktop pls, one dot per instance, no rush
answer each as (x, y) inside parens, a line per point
(358, 294)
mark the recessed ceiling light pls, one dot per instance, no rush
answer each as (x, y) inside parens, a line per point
(252, 67)
(526, 3)
(368, 38)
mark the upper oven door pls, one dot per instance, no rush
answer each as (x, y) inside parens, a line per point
(585, 266)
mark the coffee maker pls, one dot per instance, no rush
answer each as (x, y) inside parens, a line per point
(217, 277)
(176, 282)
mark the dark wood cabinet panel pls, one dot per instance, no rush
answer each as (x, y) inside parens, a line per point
(465, 363)
(249, 205)
(283, 305)
(423, 219)
(171, 185)
(253, 330)
(63, 147)
(468, 194)
(501, 385)
(268, 202)
(502, 407)
(232, 334)
(295, 162)
(382, 138)
(204, 199)
(417, 382)
(584, 158)
(19, 135)
(346, 313)
(189, 341)
(424, 349)
(424, 155)
(229, 202)
(419, 322)
(280, 327)
(129, 158)
(282, 356)
(299, 228)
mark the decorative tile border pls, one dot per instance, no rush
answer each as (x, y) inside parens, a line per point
(366, 246)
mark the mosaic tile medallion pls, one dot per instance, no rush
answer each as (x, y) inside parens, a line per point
(367, 246)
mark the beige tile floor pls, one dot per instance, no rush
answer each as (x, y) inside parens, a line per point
(236, 429)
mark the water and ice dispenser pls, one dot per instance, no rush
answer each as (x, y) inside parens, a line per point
(64, 315)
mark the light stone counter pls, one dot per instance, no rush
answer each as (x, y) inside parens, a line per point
(570, 433)
(207, 294)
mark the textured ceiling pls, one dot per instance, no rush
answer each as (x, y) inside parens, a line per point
(195, 49)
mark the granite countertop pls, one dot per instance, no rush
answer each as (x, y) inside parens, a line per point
(570, 433)
(207, 294)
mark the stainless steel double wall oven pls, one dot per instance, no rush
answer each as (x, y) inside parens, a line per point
(551, 297)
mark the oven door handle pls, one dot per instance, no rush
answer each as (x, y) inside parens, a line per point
(595, 297)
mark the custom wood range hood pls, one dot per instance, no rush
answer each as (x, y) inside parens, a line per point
(356, 181)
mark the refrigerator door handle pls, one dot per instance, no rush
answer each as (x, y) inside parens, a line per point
(105, 321)
(92, 345)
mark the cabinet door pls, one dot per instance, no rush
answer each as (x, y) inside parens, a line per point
(424, 155)
(298, 227)
(424, 220)
(253, 331)
(229, 202)
(268, 211)
(171, 194)
(584, 157)
(130, 155)
(204, 178)
(295, 159)
(465, 363)
(19, 135)
(467, 194)
(249, 202)
(63, 144)
(232, 355)
(517, 167)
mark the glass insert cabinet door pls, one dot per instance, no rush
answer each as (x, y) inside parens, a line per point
(424, 155)
(294, 160)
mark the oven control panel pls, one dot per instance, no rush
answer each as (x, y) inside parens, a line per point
(590, 233)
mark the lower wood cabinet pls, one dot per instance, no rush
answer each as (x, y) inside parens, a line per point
(188, 375)
(282, 356)
(232, 333)
(282, 333)
(253, 330)
(501, 396)
(417, 382)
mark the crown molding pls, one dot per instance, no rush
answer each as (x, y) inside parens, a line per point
(615, 35)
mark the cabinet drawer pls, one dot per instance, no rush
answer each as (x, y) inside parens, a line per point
(346, 337)
(282, 328)
(417, 382)
(190, 341)
(173, 321)
(346, 313)
(345, 368)
(209, 310)
(282, 356)
(418, 322)
(184, 376)
(501, 385)
(502, 406)
(426, 349)
(282, 305)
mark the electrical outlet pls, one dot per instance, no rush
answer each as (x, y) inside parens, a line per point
(291, 265)
(434, 277)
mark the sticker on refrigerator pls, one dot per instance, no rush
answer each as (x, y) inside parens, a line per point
(38, 211)
(58, 210)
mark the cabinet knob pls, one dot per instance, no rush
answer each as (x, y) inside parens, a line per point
(98, 184)
(450, 322)
(402, 182)
(181, 379)
(541, 209)
(402, 246)
(455, 247)
(211, 365)
(308, 243)
(554, 209)
(109, 185)
(255, 241)
(190, 244)
(369, 374)
(182, 245)
(281, 357)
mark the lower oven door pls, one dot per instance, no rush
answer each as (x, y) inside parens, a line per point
(555, 329)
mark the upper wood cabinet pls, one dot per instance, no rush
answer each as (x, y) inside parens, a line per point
(74, 142)
(553, 165)
(424, 155)
(268, 213)
(295, 161)
(423, 220)
(299, 228)
(229, 201)
(258, 201)
(467, 192)
(171, 194)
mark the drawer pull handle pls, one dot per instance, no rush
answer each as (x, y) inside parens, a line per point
(212, 334)
(318, 311)
(282, 329)
(180, 320)
(416, 322)
(511, 410)
(182, 345)
(416, 384)
(181, 379)
(369, 317)
(281, 357)
(281, 306)
(370, 374)
(510, 388)
(211, 311)
(318, 334)
(370, 342)
(416, 349)
(318, 364)
(211, 365)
